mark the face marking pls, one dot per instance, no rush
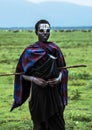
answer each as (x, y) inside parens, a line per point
(44, 28)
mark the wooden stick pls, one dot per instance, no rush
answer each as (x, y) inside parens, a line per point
(73, 66)
(9, 74)
(60, 68)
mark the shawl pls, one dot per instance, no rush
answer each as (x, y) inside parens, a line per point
(30, 56)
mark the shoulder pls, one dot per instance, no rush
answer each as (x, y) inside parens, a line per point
(54, 45)
(31, 47)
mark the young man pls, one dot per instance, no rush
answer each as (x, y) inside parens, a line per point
(43, 82)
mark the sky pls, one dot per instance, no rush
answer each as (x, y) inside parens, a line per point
(79, 2)
(25, 13)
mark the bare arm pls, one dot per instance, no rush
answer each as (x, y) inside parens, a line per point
(55, 81)
(39, 81)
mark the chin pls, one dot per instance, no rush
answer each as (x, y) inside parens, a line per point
(45, 40)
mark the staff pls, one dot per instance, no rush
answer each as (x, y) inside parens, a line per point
(60, 68)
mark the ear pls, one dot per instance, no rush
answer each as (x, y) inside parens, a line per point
(36, 32)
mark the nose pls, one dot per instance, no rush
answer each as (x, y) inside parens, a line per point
(45, 31)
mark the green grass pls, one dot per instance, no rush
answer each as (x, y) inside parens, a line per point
(77, 49)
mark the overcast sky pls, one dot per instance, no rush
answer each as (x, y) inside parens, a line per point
(25, 13)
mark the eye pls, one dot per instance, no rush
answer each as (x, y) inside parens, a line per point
(48, 30)
(41, 30)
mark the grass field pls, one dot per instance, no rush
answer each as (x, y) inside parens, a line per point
(77, 49)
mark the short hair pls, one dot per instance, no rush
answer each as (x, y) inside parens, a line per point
(39, 22)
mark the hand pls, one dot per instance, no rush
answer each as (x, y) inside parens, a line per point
(55, 81)
(39, 81)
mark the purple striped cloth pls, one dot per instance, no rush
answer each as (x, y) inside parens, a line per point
(27, 60)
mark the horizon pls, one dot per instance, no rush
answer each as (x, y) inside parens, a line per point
(52, 28)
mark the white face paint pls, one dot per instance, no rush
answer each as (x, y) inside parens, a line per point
(43, 32)
(44, 28)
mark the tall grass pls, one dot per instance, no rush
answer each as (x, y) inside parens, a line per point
(77, 49)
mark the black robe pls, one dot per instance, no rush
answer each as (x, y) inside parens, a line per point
(46, 102)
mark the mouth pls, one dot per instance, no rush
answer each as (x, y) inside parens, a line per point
(45, 36)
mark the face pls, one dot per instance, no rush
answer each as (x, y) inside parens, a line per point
(43, 32)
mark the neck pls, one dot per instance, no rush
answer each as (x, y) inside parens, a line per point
(43, 42)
